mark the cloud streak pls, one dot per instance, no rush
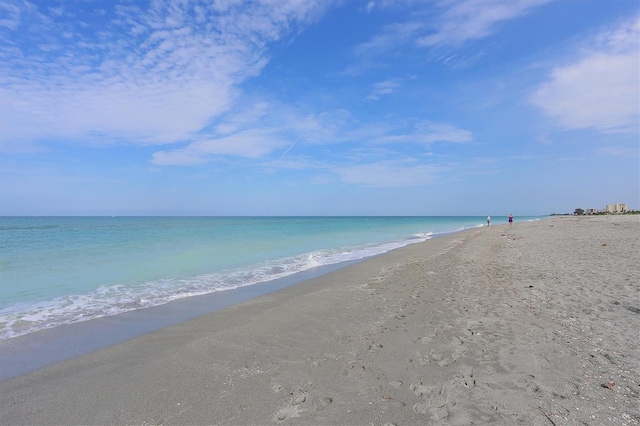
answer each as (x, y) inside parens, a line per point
(440, 24)
(383, 88)
(390, 174)
(265, 128)
(464, 20)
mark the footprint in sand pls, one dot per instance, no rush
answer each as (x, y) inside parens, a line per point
(436, 413)
(465, 379)
(425, 339)
(419, 388)
(529, 383)
(374, 347)
(440, 358)
(292, 409)
(297, 397)
(436, 403)
(287, 412)
(409, 365)
(322, 403)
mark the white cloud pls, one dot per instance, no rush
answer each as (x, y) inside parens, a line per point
(249, 144)
(437, 132)
(368, 53)
(142, 76)
(618, 151)
(9, 15)
(340, 126)
(146, 112)
(599, 90)
(388, 174)
(386, 87)
(429, 132)
(253, 131)
(263, 129)
(544, 139)
(439, 23)
(463, 20)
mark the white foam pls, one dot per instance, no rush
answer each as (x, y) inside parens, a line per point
(25, 318)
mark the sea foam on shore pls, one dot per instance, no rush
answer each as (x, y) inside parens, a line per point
(64, 270)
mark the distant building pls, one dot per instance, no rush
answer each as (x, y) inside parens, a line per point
(616, 208)
(591, 211)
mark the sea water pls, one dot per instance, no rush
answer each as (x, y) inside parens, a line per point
(62, 270)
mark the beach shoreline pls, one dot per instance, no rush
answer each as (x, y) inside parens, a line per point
(104, 272)
(27, 353)
(526, 324)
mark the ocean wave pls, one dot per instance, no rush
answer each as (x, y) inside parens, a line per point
(27, 228)
(25, 318)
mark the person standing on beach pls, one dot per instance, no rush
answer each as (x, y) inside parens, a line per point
(488, 220)
(511, 219)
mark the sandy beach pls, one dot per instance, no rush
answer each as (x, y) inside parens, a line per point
(531, 324)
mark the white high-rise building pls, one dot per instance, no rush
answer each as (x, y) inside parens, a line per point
(616, 208)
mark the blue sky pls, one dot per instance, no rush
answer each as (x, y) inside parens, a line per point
(318, 107)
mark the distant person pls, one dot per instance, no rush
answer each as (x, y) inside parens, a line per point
(510, 219)
(488, 220)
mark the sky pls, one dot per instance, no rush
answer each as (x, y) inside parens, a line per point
(318, 107)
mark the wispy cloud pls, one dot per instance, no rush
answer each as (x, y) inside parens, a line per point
(427, 132)
(618, 151)
(443, 23)
(249, 144)
(389, 174)
(463, 20)
(263, 129)
(9, 15)
(126, 74)
(600, 88)
(381, 88)
(544, 139)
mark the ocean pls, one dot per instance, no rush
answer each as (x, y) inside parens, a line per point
(56, 271)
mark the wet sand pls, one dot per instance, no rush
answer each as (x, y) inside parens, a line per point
(533, 324)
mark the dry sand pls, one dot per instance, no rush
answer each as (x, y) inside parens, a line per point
(533, 324)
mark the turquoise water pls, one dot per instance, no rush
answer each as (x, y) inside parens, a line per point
(61, 270)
